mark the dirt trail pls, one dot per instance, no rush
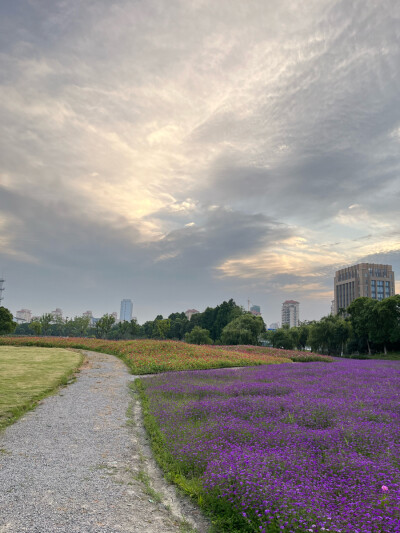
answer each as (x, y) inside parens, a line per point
(81, 462)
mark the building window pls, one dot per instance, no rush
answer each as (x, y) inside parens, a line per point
(387, 289)
(373, 289)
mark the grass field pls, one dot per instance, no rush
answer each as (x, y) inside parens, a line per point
(149, 356)
(29, 374)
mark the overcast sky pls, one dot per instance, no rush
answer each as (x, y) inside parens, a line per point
(184, 152)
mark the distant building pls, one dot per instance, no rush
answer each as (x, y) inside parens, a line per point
(190, 312)
(255, 310)
(88, 314)
(290, 313)
(273, 326)
(365, 279)
(125, 314)
(115, 315)
(57, 313)
(23, 315)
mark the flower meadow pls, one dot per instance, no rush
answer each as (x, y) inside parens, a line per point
(294, 448)
(297, 356)
(152, 356)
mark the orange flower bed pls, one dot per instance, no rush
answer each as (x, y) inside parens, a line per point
(153, 356)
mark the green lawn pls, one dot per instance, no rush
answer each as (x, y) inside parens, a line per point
(29, 374)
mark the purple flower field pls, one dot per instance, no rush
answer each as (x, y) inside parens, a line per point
(300, 447)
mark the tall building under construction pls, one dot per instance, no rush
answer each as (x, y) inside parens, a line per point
(365, 279)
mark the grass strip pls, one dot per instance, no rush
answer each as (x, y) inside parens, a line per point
(27, 375)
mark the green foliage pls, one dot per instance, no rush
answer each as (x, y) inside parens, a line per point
(45, 320)
(214, 319)
(7, 324)
(198, 336)
(376, 323)
(244, 329)
(104, 325)
(361, 312)
(36, 327)
(160, 328)
(78, 327)
(329, 335)
(282, 338)
(385, 326)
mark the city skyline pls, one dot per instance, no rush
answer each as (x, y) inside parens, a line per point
(186, 153)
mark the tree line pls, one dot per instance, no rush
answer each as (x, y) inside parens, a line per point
(227, 323)
(367, 326)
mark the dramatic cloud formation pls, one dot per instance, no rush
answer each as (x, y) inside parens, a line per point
(181, 153)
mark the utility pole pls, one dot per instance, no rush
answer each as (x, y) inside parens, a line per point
(2, 280)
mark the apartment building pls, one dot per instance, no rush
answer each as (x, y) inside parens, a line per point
(290, 313)
(365, 279)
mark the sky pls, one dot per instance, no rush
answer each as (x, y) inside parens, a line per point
(185, 152)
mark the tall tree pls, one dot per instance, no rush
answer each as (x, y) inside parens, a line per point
(244, 329)
(361, 312)
(104, 325)
(7, 324)
(46, 319)
(386, 324)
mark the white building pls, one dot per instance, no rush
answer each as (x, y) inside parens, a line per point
(125, 314)
(290, 313)
(23, 315)
(57, 313)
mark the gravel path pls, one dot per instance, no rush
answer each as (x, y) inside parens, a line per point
(77, 463)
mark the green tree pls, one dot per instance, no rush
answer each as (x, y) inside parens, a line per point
(161, 328)
(104, 325)
(134, 328)
(244, 329)
(179, 326)
(148, 327)
(78, 326)
(36, 327)
(362, 317)
(386, 321)
(330, 335)
(198, 336)
(57, 328)
(7, 324)
(45, 320)
(283, 338)
(216, 318)
(23, 329)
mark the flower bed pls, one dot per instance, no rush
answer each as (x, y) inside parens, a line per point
(289, 448)
(152, 356)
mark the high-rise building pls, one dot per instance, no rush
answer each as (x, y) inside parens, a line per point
(255, 310)
(290, 313)
(23, 315)
(365, 279)
(125, 314)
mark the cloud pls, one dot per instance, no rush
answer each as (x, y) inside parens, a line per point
(200, 148)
